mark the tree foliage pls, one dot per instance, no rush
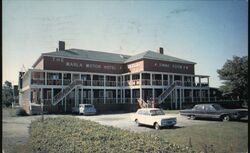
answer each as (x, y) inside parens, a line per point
(234, 74)
(7, 93)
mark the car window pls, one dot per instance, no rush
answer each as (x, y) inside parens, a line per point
(146, 113)
(88, 106)
(217, 107)
(211, 108)
(141, 112)
(199, 107)
(156, 112)
(194, 108)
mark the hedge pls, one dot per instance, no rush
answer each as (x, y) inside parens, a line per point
(69, 134)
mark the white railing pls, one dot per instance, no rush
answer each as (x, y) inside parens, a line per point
(64, 92)
(165, 94)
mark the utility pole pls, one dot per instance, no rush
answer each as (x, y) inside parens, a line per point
(42, 110)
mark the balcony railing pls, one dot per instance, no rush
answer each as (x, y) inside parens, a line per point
(86, 82)
(37, 81)
(98, 83)
(157, 82)
(110, 83)
(165, 82)
(145, 81)
(54, 82)
(66, 81)
(119, 83)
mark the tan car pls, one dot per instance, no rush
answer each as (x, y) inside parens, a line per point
(153, 117)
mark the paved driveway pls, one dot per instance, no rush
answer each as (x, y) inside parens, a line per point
(123, 121)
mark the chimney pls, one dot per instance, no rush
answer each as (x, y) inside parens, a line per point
(161, 50)
(61, 45)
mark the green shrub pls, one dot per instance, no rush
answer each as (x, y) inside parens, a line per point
(69, 134)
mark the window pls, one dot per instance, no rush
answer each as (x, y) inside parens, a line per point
(217, 107)
(199, 107)
(156, 112)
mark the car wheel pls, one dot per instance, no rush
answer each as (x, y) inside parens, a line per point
(192, 117)
(226, 118)
(157, 126)
(137, 122)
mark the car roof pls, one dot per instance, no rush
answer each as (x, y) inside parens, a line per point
(85, 104)
(206, 104)
(149, 109)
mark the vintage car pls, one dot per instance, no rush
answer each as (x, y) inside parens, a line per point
(153, 117)
(85, 109)
(214, 111)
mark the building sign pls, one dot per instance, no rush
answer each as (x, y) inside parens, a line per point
(135, 67)
(82, 65)
(165, 66)
(174, 66)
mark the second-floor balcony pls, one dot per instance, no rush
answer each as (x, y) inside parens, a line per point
(54, 82)
(110, 83)
(37, 81)
(137, 82)
(98, 83)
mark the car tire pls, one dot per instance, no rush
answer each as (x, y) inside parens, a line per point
(157, 126)
(192, 117)
(137, 122)
(226, 118)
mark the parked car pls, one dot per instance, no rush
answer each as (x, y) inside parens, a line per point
(85, 109)
(214, 111)
(153, 117)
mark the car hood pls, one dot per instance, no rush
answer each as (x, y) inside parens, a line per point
(160, 117)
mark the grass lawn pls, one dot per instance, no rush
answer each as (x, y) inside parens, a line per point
(226, 137)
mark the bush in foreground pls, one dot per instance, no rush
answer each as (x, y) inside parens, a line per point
(70, 134)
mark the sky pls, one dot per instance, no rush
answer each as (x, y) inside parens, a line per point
(205, 32)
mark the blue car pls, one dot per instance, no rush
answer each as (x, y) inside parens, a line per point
(85, 109)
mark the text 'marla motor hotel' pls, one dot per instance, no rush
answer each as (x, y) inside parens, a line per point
(67, 77)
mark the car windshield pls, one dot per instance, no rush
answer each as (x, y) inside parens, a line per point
(218, 107)
(156, 112)
(88, 106)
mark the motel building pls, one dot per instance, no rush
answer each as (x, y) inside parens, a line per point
(64, 78)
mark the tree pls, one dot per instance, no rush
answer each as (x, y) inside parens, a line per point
(7, 93)
(234, 73)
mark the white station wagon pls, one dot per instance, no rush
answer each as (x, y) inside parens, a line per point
(154, 117)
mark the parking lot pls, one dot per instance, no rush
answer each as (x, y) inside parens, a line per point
(16, 129)
(123, 121)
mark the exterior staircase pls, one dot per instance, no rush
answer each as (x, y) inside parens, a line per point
(166, 93)
(160, 99)
(64, 92)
